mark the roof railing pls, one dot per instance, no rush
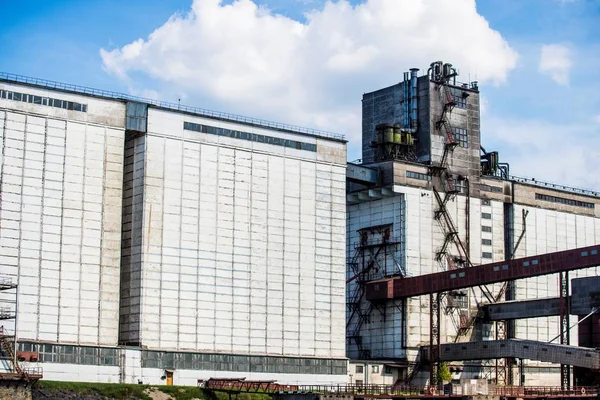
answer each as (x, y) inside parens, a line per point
(171, 106)
(549, 185)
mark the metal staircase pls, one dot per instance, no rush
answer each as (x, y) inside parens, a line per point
(10, 367)
(373, 254)
(7, 352)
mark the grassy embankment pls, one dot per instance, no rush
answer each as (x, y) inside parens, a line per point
(120, 391)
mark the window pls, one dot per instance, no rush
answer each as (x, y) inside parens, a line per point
(376, 369)
(45, 101)
(459, 97)
(486, 203)
(486, 228)
(486, 215)
(486, 255)
(387, 370)
(561, 200)
(418, 175)
(460, 135)
(487, 242)
(489, 188)
(460, 185)
(359, 369)
(252, 137)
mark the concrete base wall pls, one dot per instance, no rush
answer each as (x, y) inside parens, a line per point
(131, 371)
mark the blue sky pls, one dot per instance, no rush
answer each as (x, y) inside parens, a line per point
(306, 62)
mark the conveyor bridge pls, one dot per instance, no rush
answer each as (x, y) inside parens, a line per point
(544, 264)
(523, 349)
(234, 386)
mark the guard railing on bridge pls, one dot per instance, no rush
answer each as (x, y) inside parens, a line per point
(545, 391)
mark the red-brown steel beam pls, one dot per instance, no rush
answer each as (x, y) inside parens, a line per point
(543, 264)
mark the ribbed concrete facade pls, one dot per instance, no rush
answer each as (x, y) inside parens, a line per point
(241, 244)
(61, 183)
(206, 246)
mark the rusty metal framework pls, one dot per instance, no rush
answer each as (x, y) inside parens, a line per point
(510, 270)
(9, 354)
(520, 268)
(505, 329)
(372, 254)
(565, 370)
(448, 189)
(236, 386)
(434, 339)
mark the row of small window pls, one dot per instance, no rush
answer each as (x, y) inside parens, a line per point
(374, 368)
(44, 101)
(489, 188)
(418, 175)
(460, 135)
(66, 354)
(52, 353)
(592, 252)
(241, 363)
(561, 200)
(252, 137)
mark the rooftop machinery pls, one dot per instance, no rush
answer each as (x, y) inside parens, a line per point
(398, 141)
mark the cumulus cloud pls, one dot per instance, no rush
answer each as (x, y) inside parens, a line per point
(555, 61)
(534, 148)
(250, 60)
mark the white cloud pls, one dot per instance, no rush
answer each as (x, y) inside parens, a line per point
(566, 154)
(555, 61)
(249, 60)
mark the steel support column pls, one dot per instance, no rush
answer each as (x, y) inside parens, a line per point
(501, 363)
(565, 370)
(434, 339)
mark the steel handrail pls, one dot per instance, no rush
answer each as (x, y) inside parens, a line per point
(4, 76)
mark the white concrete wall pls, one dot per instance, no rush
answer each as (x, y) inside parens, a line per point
(60, 215)
(549, 231)
(373, 373)
(243, 242)
(423, 237)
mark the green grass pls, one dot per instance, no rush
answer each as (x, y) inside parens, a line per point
(243, 396)
(120, 391)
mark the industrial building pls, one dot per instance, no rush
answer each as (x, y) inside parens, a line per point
(426, 197)
(148, 242)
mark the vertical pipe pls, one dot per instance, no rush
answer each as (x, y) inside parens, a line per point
(16, 345)
(413, 98)
(406, 101)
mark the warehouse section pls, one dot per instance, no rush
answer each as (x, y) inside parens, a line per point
(157, 243)
(465, 218)
(148, 242)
